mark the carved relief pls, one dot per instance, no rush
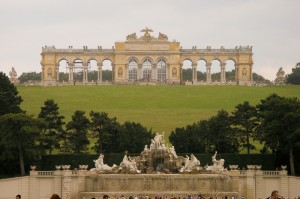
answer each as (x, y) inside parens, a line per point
(120, 72)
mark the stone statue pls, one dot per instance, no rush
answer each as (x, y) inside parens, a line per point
(174, 72)
(13, 76)
(100, 166)
(131, 36)
(158, 142)
(280, 79)
(218, 165)
(162, 36)
(120, 72)
(128, 165)
(191, 165)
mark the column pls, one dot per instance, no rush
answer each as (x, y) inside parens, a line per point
(140, 72)
(168, 72)
(223, 74)
(251, 74)
(113, 72)
(99, 77)
(154, 72)
(237, 72)
(66, 184)
(181, 76)
(126, 72)
(84, 78)
(57, 71)
(71, 72)
(208, 73)
(43, 71)
(194, 69)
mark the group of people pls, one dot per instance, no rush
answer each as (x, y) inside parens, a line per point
(274, 195)
(54, 196)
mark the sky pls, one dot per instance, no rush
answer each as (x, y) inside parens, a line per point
(272, 27)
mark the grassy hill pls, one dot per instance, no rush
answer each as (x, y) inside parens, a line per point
(162, 108)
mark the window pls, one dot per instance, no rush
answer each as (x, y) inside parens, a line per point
(161, 70)
(147, 69)
(132, 70)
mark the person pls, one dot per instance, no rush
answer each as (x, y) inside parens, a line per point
(105, 196)
(55, 196)
(274, 195)
(18, 196)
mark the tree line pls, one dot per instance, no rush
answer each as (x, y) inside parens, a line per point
(274, 122)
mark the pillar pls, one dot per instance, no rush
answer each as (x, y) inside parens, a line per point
(66, 184)
(85, 72)
(71, 72)
(57, 71)
(223, 74)
(154, 72)
(113, 72)
(194, 75)
(43, 71)
(181, 76)
(140, 72)
(168, 75)
(126, 72)
(208, 72)
(237, 72)
(99, 77)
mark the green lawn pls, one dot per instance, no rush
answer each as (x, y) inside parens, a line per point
(162, 108)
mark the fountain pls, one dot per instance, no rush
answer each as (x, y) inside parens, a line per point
(158, 171)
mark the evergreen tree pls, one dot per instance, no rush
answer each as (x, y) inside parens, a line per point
(280, 127)
(244, 120)
(294, 77)
(19, 137)
(9, 97)
(77, 130)
(53, 131)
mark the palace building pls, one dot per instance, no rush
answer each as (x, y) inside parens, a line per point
(144, 60)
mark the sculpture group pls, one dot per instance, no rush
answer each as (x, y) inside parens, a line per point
(159, 158)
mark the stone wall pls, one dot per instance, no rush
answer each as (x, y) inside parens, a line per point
(86, 184)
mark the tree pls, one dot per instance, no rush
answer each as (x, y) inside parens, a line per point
(280, 126)
(19, 135)
(30, 76)
(133, 137)
(53, 130)
(244, 119)
(9, 97)
(294, 77)
(77, 129)
(104, 129)
(221, 136)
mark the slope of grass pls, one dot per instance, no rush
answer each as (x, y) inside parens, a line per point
(162, 108)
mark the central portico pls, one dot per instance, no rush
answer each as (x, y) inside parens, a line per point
(145, 60)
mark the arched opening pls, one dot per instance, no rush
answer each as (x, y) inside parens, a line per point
(63, 67)
(146, 69)
(187, 71)
(92, 70)
(107, 74)
(215, 71)
(161, 70)
(132, 70)
(230, 71)
(78, 70)
(201, 70)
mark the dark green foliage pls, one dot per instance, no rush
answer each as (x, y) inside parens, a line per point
(9, 97)
(63, 77)
(105, 130)
(30, 76)
(133, 137)
(53, 131)
(77, 130)
(244, 120)
(19, 137)
(280, 126)
(294, 77)
(260, 79)
(207, 136)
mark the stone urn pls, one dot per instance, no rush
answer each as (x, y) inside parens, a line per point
(58, 167)
(33, 168)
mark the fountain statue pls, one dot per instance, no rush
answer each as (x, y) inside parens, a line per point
(159, 158)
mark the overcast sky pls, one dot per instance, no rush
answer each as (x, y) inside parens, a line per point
(272, 27)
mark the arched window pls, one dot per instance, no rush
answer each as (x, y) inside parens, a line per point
(147, 69)
(132, 70)
(161, 70)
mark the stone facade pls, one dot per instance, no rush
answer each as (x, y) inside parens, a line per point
(145, 60)
(83, 184)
